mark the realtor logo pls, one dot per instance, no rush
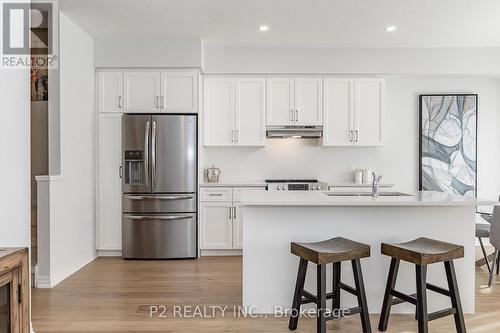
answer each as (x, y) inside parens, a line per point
(28, 33)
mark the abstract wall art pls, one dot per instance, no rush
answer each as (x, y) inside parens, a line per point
(448, 154)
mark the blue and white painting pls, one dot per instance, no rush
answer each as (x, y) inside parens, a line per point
(448, 160)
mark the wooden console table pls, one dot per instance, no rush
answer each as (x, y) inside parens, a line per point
(14, 272)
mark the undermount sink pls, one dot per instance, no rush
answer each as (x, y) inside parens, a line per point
(367, 194)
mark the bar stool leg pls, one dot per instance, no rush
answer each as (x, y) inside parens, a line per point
(297, 296)
(421, 274)
(321, 299)
(360, 288)
(455, 296)
(386, 305)
(337, 270)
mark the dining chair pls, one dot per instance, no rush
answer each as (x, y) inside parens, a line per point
(495, 241)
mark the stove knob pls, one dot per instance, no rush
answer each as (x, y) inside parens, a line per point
(318, 187)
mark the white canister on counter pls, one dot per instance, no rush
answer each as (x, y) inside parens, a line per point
(358, 176)
(367, 176)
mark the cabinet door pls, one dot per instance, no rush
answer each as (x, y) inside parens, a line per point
(216, 230)
(308, 101)
(218, 111)
(142, 92)
(109, 182)
(338, 121)
(110, 91)
(369, 118)
(280, 101)
(250, 112)
(237, 227)
(179, 92)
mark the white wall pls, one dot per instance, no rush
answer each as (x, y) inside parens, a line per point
(397, 160)
(15, 161)
(149, 52)
(72, 195)
(352, 60)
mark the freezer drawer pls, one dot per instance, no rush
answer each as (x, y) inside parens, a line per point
(165, 236)
(159, 203)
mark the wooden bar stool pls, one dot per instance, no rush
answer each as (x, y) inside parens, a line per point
(332, 251)
(422, 252)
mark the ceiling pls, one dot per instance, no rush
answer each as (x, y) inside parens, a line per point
(328, 23)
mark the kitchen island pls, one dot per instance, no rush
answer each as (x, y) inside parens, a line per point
(272, 220)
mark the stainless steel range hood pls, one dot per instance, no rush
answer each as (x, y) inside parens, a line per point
(294, 132)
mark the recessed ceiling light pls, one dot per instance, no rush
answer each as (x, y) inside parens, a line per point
(390, 28)
(263, 28)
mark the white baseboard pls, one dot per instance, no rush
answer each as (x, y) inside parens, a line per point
(109, 253)
(52, 280)
(215, 253)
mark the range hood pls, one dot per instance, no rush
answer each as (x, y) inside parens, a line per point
(294, 132)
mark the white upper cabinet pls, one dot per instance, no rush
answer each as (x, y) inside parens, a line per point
(179, 92)
(370, 100)
(234, 111)
(354, 112)
(308, 101)
(142, 92)
(250, 112)
(110, 91)
(338, 112)
(218, 108)
(294, 101)
(280, 101)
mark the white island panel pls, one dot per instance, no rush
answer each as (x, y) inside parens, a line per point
(269, 269)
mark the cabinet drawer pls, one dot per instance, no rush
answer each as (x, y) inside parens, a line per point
(216, 194)
(237, 191)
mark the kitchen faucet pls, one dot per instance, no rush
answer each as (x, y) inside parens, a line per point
(375, 183)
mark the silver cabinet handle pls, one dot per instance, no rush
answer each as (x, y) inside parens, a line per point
(296, 115)
(215, 194)
(156, 217)
(119, 102)
(157, 102)
(351, 136)
(146, 154)
(234, 213)
(237, 135)
(120, 171)
(159, 197)
(291, 116)
(162, 102)
(357, 135)
(232, 136)
(153, 154)
(230, 210)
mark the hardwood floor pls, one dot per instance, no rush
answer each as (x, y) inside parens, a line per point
(113, 295)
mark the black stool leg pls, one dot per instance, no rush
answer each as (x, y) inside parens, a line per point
(423, 322)
(336, 285)
(386, 305)
(321, 299)
(360, 288)
(455, 296)
(297, 296)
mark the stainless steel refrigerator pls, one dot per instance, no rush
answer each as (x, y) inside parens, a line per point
(159, 186)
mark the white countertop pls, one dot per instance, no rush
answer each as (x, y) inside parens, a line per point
(309, 198)
(235, 184)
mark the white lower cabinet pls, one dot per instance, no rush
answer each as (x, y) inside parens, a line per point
(216, 230)
(109, 219)
(220, 218)
(237, 226)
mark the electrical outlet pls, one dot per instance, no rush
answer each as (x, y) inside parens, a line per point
(237, 168)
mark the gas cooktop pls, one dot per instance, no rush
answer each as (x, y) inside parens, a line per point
(295, 185)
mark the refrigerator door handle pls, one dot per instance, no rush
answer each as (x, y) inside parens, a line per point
(159, 197)
(158, 217)
(153, 154)
(146, 154)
